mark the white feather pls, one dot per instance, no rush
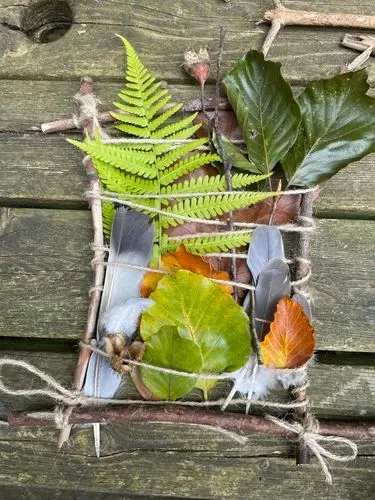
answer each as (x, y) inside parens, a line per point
(124, 318)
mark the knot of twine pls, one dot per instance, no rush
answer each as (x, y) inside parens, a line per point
(88, 111)
(308, 435)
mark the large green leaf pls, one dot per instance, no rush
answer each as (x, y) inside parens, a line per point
(265, 108)
(203, 313)
(338, 127)
(168, 350)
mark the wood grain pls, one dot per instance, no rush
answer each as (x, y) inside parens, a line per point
(196, 475)
(349, 388)
(46, 275)
(169, 28)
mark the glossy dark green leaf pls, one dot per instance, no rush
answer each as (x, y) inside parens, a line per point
(168, 350)
(234, 155)
(337, 128)
(265, 108)
(203, 313)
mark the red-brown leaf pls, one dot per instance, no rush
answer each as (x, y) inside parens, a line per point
(290, 342)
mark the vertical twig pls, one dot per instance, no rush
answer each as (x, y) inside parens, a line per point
(275, 28)
(221, 150)
(302, 268)
(95, 293)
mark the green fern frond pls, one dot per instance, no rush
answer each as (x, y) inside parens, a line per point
(140, 132)
(132, 110)
(108, 212)
(151, 112)
(117, 181)
(134, 162)
(211, 244)
(143, 168)
(186, 165)
(182, 135)
(217, 183)
(207, 207)
(175, 154)
(140, 121)
(163, 117)
(164, 132)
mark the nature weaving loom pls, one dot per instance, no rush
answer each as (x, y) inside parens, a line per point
(215, 204)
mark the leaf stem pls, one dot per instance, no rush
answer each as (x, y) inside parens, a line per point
(221, 150)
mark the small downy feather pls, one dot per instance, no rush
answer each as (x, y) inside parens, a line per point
(253, 380)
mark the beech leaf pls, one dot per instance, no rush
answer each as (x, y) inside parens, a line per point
(337, 128)
(290, 342)
(203, 313)
(168, 350)
(265, 108)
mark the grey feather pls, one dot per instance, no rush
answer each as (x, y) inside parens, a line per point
(273, 284)
(266, 244)
(131, 242)
(301, 299)
(100, 375)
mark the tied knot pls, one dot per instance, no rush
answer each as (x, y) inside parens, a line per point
(62, 416)
(308, 434)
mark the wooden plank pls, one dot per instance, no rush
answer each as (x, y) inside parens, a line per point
(196, 475)
(44, 265)
(45, 277)
(335, 391)
(55, 166)
(169, 28)
(54, 99)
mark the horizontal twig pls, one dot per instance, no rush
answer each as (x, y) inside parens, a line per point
(105, 117)
(363, 431)
(359, 42)
(290, 17)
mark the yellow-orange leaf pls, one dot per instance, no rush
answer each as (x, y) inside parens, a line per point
(290, 342)
(182, 259)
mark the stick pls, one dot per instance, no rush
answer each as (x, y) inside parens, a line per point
(229, 421)
(302, 269)
(291, 17)
(359, 42)
(222, 153)
(64, 124)
(99, 254)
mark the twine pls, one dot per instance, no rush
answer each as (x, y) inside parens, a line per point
(73, 398)
(100, 262)
(88, 111)
(291, 228)
(308, 435)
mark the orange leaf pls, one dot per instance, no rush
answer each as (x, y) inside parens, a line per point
(182, 259)
(290, 342)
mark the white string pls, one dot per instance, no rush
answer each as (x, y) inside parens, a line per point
(169, 214)
(99, 262)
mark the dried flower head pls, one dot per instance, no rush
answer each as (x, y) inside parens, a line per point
(197, 64)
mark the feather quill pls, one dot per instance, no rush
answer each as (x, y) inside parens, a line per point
(121, 304)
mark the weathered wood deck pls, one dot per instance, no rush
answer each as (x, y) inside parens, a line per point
(45, 232)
